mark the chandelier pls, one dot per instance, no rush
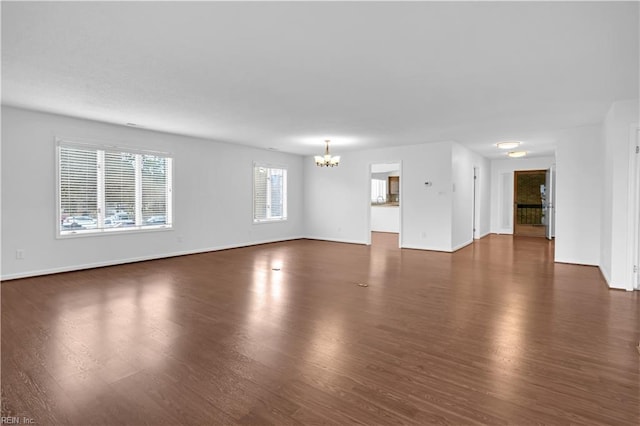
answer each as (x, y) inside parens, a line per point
(327, 160)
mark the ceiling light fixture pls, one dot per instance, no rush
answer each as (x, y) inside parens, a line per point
(517, 154)
(508, 144)
(327, 160)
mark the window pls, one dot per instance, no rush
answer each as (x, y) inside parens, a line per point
(269, 194)
(106, 189)
(378, 191)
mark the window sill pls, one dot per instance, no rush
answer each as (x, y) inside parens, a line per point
(112, 231)
(262, 222)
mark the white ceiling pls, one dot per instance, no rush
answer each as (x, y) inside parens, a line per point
(289, 75)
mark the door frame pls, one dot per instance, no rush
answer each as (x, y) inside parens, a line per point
(400, 207)
(476, 213)
(633, 262)
(515, 202)
(550, 201)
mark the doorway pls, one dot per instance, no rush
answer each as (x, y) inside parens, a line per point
(528, 209)
(385, 204)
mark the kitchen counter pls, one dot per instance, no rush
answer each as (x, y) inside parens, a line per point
(385, 217)
(390, 204)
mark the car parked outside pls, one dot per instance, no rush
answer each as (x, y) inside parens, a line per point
(156, 220)
(79, 222)
(119, 219)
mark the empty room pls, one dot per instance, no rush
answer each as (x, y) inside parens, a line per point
(320, 213)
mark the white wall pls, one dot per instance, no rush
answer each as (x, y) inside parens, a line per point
(462, 163)
(212, 196)
(385, 219)
(337, 201)
(502, 172)
(615, 253)
(483, 201)
(579, 172)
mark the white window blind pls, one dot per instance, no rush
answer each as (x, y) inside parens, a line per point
(78, 184)
(155, 189)
(120, 186)
(269, 193)
(102, 189)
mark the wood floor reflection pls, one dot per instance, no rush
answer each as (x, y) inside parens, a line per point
(282, 333)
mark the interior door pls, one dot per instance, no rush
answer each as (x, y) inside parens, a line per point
(547, 203)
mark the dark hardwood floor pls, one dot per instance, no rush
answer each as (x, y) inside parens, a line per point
(282, 333)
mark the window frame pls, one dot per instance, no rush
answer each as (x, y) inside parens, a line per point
(285, 190)
(97, 146)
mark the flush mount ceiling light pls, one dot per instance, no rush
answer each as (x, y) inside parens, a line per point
(517, 154)
(327, 160)
(508, 144)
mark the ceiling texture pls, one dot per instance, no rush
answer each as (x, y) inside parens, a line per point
(288, 75)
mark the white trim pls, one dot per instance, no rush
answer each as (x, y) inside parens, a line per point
(444, 250)
(267, 165)
(72, 268)
(84, 143)
(285, 195)
(58, 183)
(606, 275)
(633, 218)
(170, 200)
(101, 194)
(138, 191)
(400, 203)
(476, 202)
(571, 261)
(100, 150)
(263, 221)
(463, 245)
(550, 207)
(133, 229)
(370, 172)
(337, 240)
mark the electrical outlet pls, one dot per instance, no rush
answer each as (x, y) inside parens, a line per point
(20, 254)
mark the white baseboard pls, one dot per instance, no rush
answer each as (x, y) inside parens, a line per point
(575, 262)
(336, 240)
(503, 232)
(444, 250)
(483, 235)
(459, 246)
(607, 278)
(71, 268)
(606, 275)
